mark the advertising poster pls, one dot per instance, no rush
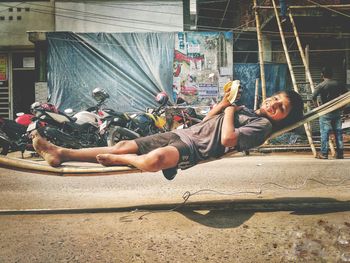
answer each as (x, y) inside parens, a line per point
(202, 61)
(3, 67)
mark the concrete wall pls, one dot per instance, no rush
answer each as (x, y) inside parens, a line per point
(119, 16)
(31, 16)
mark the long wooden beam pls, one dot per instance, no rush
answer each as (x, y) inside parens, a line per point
(345, 6)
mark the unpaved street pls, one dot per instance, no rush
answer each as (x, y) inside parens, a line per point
(211, 227)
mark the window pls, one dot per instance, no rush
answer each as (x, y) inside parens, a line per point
(10, 18)
(19, 18)
(27, 9)
(2, 18)
(19, 9)
(10, 9)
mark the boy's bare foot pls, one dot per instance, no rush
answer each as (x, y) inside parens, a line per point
(109, 159)
(50, 152)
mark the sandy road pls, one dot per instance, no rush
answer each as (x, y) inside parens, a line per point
(242, 232)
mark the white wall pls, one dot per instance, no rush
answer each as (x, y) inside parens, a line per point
(39, 17)
(119, 16)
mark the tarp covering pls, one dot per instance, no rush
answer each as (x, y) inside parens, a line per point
(131, 67)
(275, 77)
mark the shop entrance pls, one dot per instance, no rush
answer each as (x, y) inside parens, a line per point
(23, 90)
(23, 82)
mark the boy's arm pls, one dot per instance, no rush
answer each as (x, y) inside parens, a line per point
(229, 136)
(222, 105)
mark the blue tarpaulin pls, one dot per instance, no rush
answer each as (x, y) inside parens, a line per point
(275, 77)
(131, 67)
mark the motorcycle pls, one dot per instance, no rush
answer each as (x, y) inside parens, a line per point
(63, 130)
(114, 126)
(13, 137)
(89, 128)
(153, 121)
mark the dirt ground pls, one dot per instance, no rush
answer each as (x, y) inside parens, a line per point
(218, 235)
(192, 236)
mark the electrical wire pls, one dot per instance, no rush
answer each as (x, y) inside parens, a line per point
(236, 51)
(113, 18)
(103, 16)
(224, 14)
(259, 191)
(328, 8)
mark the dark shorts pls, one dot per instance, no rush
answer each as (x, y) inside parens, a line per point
(152, 142)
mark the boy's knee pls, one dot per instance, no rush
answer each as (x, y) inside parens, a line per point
(154, 161)
(123, 145)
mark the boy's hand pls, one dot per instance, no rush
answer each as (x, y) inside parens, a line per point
(224, 103)
(234, 108)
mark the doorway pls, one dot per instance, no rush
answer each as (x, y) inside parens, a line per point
(23, 90)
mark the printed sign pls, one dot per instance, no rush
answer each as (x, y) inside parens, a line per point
(206, 90)
(200, 60)
(3, 67)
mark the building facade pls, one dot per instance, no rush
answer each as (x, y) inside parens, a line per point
(22, 63)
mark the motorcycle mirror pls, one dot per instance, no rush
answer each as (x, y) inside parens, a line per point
(100, 95)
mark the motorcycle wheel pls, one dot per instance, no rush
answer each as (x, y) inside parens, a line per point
(117, 134)
(4, 146)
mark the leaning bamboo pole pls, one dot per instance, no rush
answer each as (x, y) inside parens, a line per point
(307, 70)
(261, 54)
(256, 94)
(295, 87)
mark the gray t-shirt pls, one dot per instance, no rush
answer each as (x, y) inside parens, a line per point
(329, 89)
(204, 139)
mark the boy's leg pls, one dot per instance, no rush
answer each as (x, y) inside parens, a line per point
(156, 160)
(55, 155)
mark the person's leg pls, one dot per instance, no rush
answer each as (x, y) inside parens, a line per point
(338, 133)
(283, 8)
(325, 127)
(156, 160)
(55, 155)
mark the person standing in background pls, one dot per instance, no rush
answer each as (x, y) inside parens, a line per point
(329, 89)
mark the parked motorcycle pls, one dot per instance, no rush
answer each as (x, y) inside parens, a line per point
(13, 135)
(63, 130)
(153, 121)
(114, 126)
(89, 128)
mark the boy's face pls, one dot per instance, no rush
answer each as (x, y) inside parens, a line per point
(276, 108)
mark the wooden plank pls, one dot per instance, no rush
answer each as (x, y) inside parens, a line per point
(66, 169)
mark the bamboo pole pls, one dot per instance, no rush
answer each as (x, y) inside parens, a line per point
(261, 54)
(308, 102)
(306, 64)
(295, 87)
(256, 94)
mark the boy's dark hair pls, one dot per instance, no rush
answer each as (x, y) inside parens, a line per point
(296, 112)
(327, 72)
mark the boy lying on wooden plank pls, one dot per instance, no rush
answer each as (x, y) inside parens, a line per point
(226, 128)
